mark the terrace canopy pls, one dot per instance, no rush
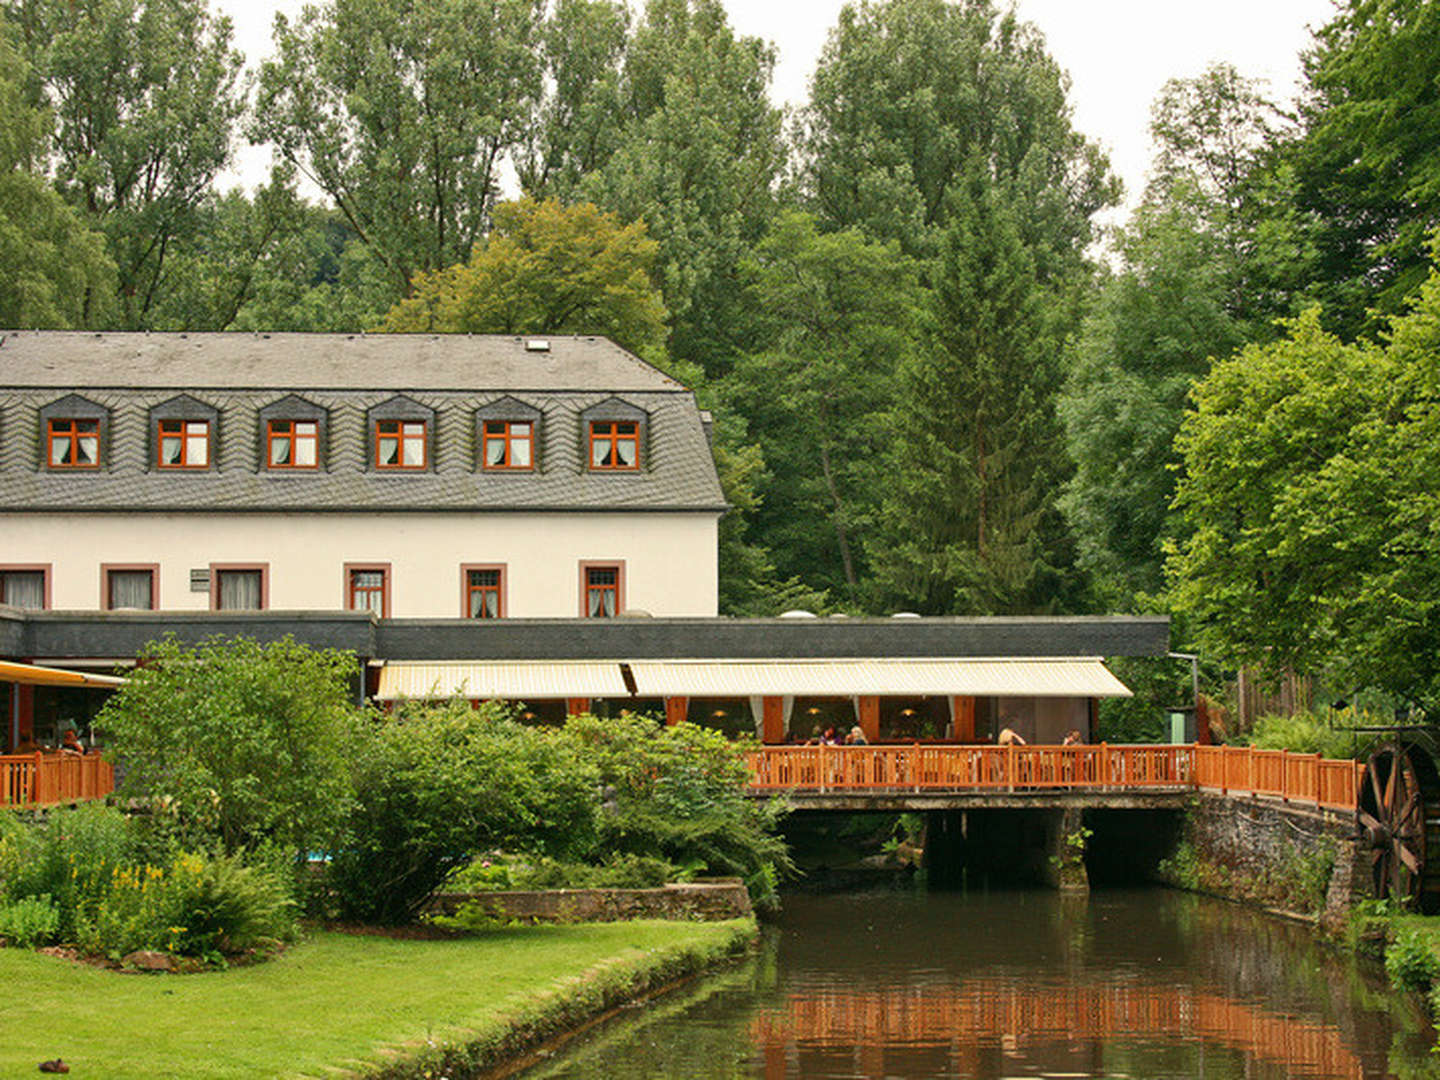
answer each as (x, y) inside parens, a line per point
(481, 679)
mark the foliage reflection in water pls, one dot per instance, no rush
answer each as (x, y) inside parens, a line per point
(1147, 984)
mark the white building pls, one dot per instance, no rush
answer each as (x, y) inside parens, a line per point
(413, 476)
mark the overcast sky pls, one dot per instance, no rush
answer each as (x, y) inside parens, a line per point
(1118, 53)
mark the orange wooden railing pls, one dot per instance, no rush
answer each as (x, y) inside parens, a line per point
(918, 767)
(41, 779)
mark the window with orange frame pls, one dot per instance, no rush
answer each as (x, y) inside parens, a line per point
(400, 444)
(73, 444)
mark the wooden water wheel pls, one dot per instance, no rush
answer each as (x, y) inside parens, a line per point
(1399, 816)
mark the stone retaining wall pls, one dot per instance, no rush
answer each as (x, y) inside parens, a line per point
(708, 900)
(1293, 859)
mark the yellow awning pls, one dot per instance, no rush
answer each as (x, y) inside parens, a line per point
(820, 678)
(34, 675)
(527, 680)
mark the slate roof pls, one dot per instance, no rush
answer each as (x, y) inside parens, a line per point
(239, 374)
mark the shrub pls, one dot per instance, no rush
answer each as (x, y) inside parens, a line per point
(678, 792)
(243, 743)
(437, 784)
(1411, 962)
(33, 920)
(69, 856)
(1330, 735)
(196, 906)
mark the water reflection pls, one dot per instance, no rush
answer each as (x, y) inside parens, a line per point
(1146, 984)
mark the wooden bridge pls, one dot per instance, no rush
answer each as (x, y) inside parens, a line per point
(922, 775)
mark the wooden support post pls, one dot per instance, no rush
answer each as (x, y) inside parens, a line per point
(675, 710)
(963, 728)
(575, 706)
(773, 720)
(870, 717)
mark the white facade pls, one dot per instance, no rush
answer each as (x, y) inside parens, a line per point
(668, 560)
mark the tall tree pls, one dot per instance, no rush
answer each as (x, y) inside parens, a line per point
(544, 268)
(694, 148)
(839, 316)
(146, 99)
(1367, 165)
(909, 92)
(54, 272)
(403, 114)
(970, 524)
(1187, 288)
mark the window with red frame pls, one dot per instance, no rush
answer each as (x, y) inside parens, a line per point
(292, 444)
(483, 595)
(614, 445)
(509, 444)
(400, 444)
(74, 444)
(602, 592)
(369, 589)
(183, 444)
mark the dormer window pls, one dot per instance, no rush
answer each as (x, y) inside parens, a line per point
(507, 436)
(73, 444)
(292, 435)
(183, 444)
(614, 431)
(292, 444)
(614, 444)
(400, 444)
(400, 434)
(74, 432)
(509, 444)
(182, 431)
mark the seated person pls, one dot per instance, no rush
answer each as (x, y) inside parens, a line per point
(70, 742)
(1009, 737)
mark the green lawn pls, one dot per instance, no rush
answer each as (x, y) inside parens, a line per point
(332, 1003)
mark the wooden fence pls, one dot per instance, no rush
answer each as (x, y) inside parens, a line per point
(917, 767)
(42, 779)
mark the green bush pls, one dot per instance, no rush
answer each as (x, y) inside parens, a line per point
(620, 872)
(436, 784)
(69, 856)
(196, 906)
(678, 792)
(33, 920)
(240, 743)
(1328, 734)
(1411, 962)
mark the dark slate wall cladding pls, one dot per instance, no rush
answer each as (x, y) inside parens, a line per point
(12, 634)
(639, 639)
(678, 470)
(79, 635)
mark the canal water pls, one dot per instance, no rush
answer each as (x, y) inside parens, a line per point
(1149, 984)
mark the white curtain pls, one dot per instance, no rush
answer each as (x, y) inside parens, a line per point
(239, 590)
(131, 589)
(23, 589)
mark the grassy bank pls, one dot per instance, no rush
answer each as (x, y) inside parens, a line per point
(366, 1004)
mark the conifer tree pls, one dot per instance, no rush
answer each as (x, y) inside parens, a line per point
(970, 520)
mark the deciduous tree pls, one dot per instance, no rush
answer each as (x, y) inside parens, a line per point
(54, 272)
(544, 268)
(146, 98)
(403, 114)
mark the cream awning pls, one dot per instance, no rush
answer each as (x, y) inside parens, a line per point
(34, 675)
(821, 678)
(526, 680)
